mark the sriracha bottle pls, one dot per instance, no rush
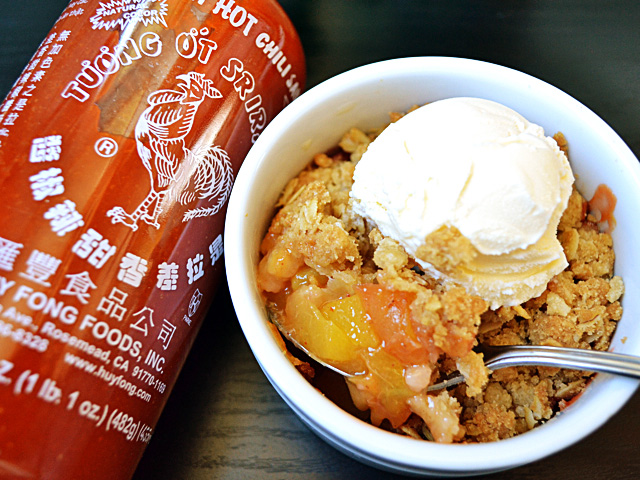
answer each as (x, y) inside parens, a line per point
(119, 144)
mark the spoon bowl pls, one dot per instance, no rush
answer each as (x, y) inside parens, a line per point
(504, 356)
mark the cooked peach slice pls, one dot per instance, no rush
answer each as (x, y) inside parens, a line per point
(348, 313)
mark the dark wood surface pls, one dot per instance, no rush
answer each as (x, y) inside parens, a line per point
(224, 420)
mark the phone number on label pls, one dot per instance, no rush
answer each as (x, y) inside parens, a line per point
(23, 337)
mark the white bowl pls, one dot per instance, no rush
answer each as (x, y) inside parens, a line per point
(363, 97)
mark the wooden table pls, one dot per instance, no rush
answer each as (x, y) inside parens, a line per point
(224, 420)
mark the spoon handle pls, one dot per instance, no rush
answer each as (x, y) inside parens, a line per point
(497, 357)
(573, 358)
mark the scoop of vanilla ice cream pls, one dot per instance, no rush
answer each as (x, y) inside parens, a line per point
(479, 167)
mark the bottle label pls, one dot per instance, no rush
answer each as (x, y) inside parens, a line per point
(119, 144)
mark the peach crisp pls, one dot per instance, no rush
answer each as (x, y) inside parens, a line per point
(358, 301)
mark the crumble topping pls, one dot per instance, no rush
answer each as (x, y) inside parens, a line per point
(318, 252)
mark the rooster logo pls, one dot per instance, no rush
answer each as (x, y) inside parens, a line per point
(176, 173)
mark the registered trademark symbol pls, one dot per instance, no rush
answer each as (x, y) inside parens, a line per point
(106, 147)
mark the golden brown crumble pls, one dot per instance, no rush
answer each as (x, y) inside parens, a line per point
(315, 229)
(446, 248)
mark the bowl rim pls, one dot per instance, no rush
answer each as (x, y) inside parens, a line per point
(356, 437)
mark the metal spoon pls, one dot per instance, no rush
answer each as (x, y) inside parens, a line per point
(496, 357)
